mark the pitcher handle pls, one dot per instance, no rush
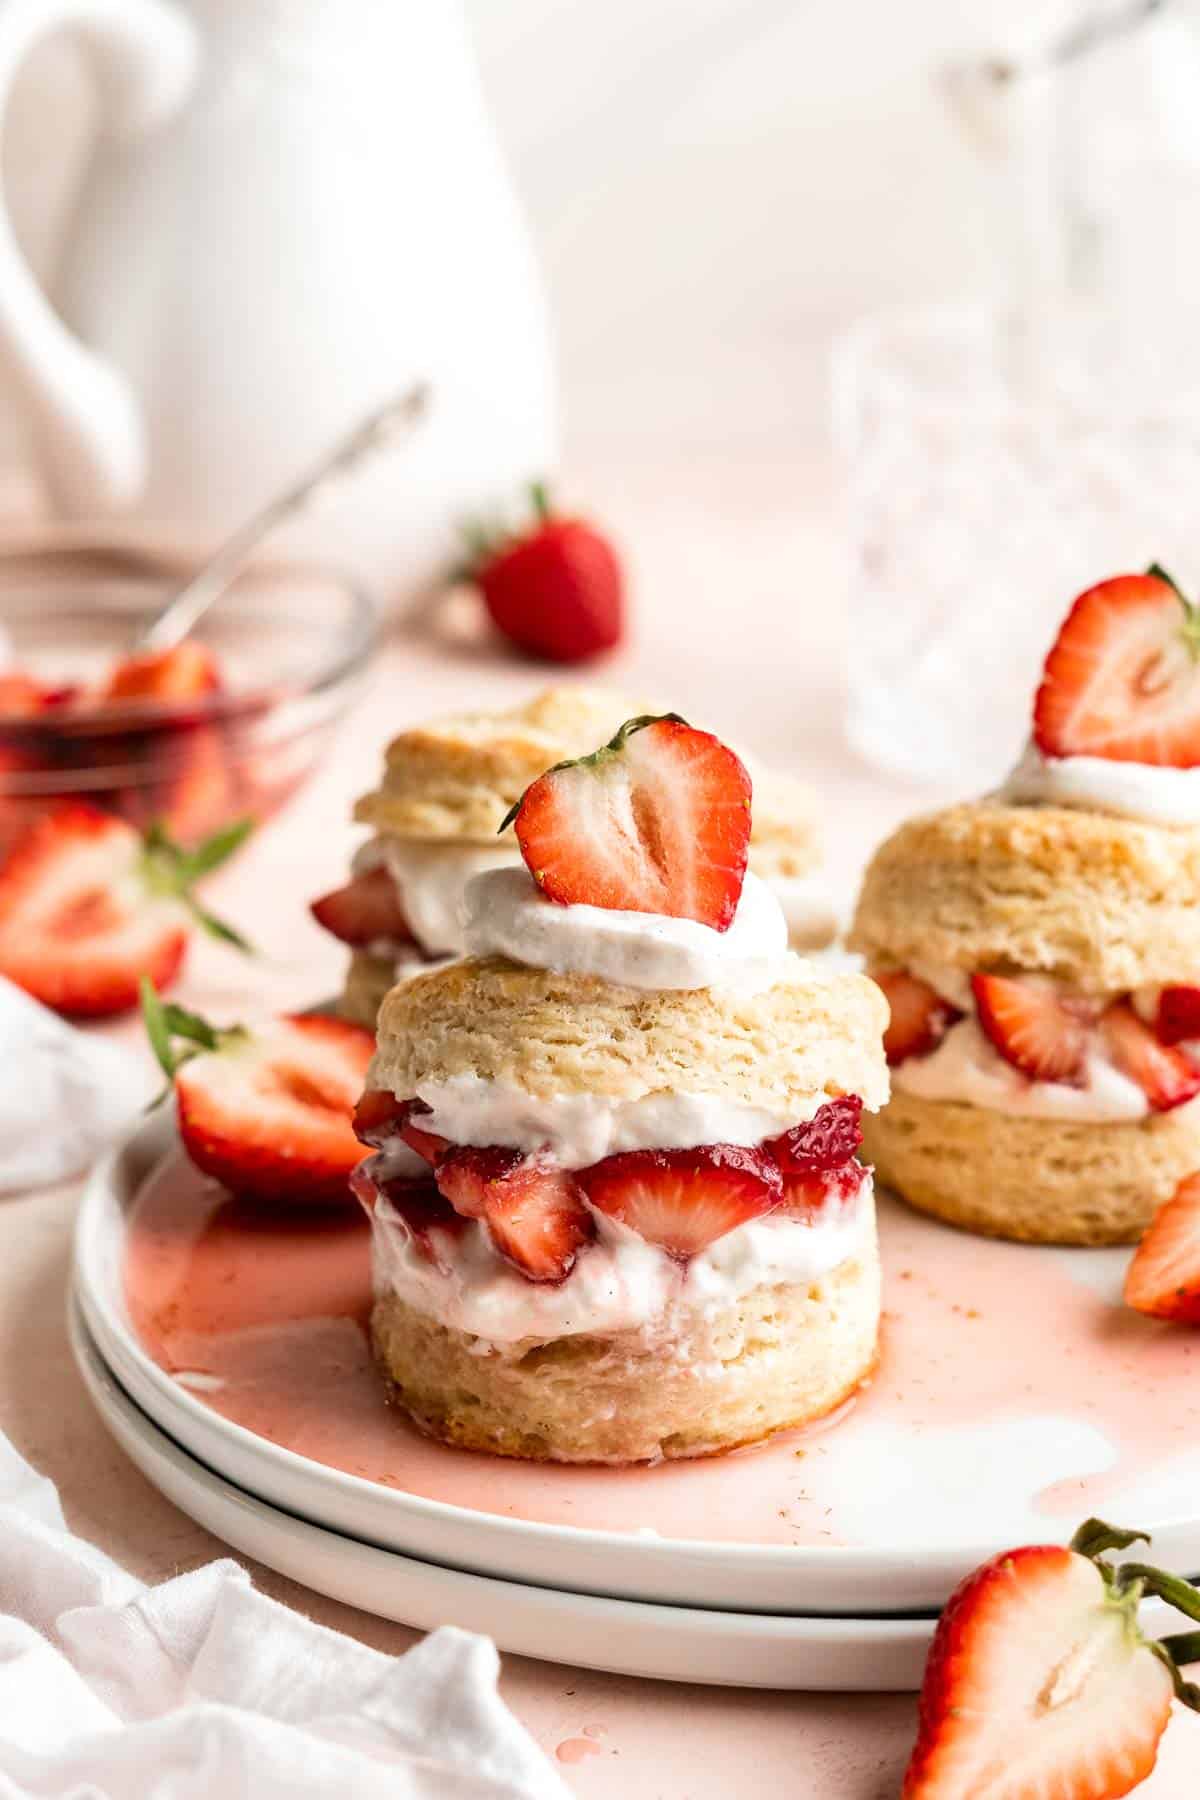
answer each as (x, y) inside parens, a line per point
(144, 55)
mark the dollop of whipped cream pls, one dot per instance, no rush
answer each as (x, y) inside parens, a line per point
(580, 1129)
(508, 915)
(619, 1283)
(1156, 796)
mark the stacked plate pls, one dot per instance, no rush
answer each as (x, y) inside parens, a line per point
(841, 1615)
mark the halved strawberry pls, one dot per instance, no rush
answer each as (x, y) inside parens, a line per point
(368, 907)
(378, 1117)
(1033, 1028)
(1165, 1074)
(684, 1200)
(1039, 1682)
(1123, 678)
(268, 1112)
(918, 1016)
(1163, 1279)
(184, 672)
(826, 1141)
(88, 907)
(1178, 1015)
(533, 1210)
(817, 1193)
(656, 821)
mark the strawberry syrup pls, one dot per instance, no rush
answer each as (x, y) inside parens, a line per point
(265, 1321)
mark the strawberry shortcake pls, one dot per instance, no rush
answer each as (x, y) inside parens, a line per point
(1040, 949)
(437, 818)
(616, 1207)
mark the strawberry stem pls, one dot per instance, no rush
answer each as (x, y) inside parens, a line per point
(594, 758)
(1191, 612)
(540, 496)
(171, 871)
(1129, 1583)
(165, 1021)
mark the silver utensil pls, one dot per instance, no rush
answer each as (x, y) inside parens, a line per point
(182, 609)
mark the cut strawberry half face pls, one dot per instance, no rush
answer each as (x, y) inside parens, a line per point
(830, 1138)
(88, 908)
(684, 1200)
(1040, 1684)
(1033, 1028)
(1123, 678)
(657, 821)
(1165, 1074)
(814, 1194)
(918, 1017)
(365, 910)
(1178, 1015)
(267, 1113)
(533, 1210)
(1163, 1280)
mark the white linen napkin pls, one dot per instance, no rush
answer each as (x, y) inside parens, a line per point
(203, 1686)
(64, 1096)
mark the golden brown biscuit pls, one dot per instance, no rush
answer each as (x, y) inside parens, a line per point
(816, 1033)
(1045, 1181)
(369, 980)
(777, 1357)
(1105, 905)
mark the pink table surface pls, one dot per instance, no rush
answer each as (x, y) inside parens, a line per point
(740, 623)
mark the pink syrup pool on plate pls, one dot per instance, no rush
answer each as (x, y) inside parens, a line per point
(264, 1320)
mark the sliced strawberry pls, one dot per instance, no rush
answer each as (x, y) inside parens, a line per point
(184, 672)
(1039, 1685)
(684, 1200)
(1165, 1074)
(1123, 680)
(269, 1112)
(818, 1193)
(1163, 1279)
(826, 1141)
(365, 909)
(1033, 1028)
(87, 908)
(918, 1017)
(425, 1143)
(533, 1210)
(657, 821)
(378, 1117)
(1178, 1016)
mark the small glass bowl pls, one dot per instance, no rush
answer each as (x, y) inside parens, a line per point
(291, 643)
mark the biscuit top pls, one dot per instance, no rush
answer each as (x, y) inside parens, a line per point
(812, 1036)
(1104, 904)
(457, 777)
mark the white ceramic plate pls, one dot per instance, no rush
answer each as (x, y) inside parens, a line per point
(926, 1504)
(672, 1643)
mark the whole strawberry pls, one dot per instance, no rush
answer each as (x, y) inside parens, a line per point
(555, 590)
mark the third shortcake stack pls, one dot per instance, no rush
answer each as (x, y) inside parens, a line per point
(1040, 949)
(617, 1213)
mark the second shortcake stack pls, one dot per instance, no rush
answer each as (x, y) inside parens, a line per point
(617, 1213)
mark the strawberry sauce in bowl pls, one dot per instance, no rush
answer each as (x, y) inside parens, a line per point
(226, 727)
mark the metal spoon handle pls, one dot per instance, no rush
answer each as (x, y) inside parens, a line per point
(172, 623)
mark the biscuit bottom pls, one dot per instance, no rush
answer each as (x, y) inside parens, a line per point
(776, 1357)
(1042, 1181)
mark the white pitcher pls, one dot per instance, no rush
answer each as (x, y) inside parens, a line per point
(295, 207)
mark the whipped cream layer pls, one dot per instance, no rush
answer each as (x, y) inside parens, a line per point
(967, 1067)
(1156, 796)
(580, 1129)
(508, 915)
(619, 1282)
(431, 879)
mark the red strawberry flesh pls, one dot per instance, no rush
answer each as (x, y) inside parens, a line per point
(557, 592)
(1163, 1280)
(365, 910)
(1033, 1028)
(684, 1200)
(831, 1137)
(1166, 1075)
(918, 1017)
(533, 1210)
(1123, 680)
(658, 821)
(1178, 1015)
(821, 1193)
